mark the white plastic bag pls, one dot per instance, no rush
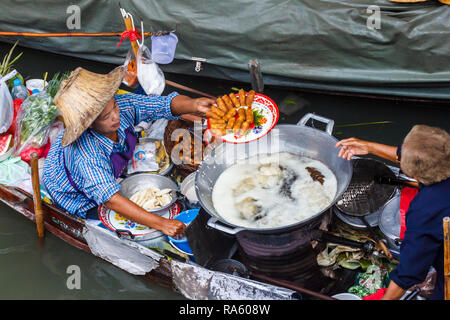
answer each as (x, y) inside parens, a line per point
(6, 103)
(157, 129)
(149, 74)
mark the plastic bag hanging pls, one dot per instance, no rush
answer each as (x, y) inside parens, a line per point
(149, 74)
(6, 103)
(130, 79)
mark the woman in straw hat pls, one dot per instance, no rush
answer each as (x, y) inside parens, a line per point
(424, 156)
(85, 160)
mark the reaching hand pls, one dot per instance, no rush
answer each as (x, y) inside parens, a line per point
(352, 147)
(172, 227)
(203, 105)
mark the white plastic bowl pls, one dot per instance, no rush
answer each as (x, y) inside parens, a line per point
(346, 296)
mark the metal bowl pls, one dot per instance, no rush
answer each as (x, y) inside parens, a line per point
(389, 222)
(140, 181)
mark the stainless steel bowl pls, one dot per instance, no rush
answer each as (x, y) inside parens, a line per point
(140, 181)
(389, 222)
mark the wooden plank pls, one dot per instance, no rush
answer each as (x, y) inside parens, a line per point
(446, 225)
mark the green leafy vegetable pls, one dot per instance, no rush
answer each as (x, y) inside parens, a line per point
(36, 115)
(55, 82)
(257, 116)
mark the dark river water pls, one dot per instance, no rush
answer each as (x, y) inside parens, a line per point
(27, 272)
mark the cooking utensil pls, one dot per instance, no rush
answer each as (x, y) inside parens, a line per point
(389, 222)
(396, 182)
(297, 139)
(355, 222)
(346, 296)
(367, 247)
(377, 238)
(411, 295)
(363, 196)
(230, 266)
(137, 182)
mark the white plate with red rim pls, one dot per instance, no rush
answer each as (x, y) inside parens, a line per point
(115, 222)
(268, 118)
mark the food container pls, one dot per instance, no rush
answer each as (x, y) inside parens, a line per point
(163, 48)
(36, 84)
(346, 296)
(182, 244)
(130, 230)
(390, 221)
(140, 181)
(187, 188)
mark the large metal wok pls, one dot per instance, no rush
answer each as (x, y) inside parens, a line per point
(298, 139)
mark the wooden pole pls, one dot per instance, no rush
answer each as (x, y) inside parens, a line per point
(129, 26)
(37, 200)
(446, 225)
(291, 286)
(68, 34)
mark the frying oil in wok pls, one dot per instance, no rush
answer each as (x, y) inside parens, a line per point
(273, 190)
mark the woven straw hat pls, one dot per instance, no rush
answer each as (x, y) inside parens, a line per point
(82, 97)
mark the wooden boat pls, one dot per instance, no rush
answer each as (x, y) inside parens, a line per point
(187, 278)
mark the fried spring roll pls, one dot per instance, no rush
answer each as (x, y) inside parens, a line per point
(212, 115)
(212, 120)
(234, 100)
(221, 105)
(230, 114)
(218, 125)
(242, 97)
(250, 97)
(249, 115)
(244, 128)
(230, 124)
(217, 111)
(237, 125)
(227, 101)
(241, 114)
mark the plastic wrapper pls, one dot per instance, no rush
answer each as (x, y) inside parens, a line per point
(144, 159)
(6, 103)
(149, 74)
(130, 78)
(157, 129)
(34, 121)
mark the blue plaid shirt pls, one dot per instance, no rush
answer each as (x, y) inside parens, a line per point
(88, 158)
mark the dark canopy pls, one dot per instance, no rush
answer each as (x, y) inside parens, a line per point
(323, 44)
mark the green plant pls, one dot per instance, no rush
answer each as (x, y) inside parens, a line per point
(55, 82)
(7, 65)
